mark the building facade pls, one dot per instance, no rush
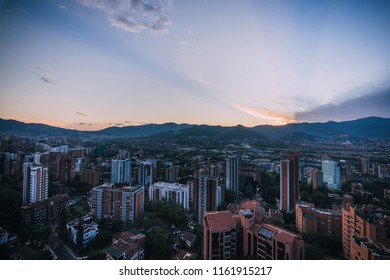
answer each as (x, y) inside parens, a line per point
(171, 192)
(311, 220)
(364, 224)
(145, 174)
(35, 182)
(117, 204)
(231, 174)
(206, 195)
(219, 236)
(331, 174)
(289, 182)
(121, 171)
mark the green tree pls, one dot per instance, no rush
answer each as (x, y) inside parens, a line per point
(159, 244)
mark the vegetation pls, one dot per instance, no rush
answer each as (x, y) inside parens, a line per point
(319, 246)
(270, 189)
(159, 244)
(10, 203)
(80, 208)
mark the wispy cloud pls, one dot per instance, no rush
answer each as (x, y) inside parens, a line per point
(81, 123)
(272, 117)
(46, 80)
(135, 15)
(62, 7)
(135, 123)
(203, 82)
(81, 114)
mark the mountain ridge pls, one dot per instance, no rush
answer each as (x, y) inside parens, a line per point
(369, 127)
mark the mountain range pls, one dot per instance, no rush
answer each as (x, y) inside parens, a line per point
(370, 127)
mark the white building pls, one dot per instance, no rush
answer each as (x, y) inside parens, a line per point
(90, 229)
(35, 181)
(331, 174)
(172, 192)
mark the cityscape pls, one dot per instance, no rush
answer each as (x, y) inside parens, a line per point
(194, 130)
(194, 194)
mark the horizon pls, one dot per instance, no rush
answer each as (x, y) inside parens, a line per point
(191, 124)
(88, 64)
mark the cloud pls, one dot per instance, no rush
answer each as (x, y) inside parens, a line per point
(46, 80)
(196, 78)
(270, 116)
(135, 123)
(81, 114)
(135, 16)
(81, 123)
(119, 124)
(375, 103)
(62, 7)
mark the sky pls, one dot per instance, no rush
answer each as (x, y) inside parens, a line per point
(91, 64)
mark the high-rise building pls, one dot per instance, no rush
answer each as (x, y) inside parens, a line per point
(331, 174)
(231, 173)
(365, 229)
(172, 192)
(205, 196)
(172, 174)
(66, 169)
(35, 182)
(121, 171)
(289, 182)
(145, 174)
(117, 204)
(364, 165)
(316, 178)
(219, 236)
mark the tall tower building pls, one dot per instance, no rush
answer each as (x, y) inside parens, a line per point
(35, 182)
(316, 178)
(172, 174)
(121, 171)
(231, 173)
(331, 174)
(66, 169)
(364, 166)
(145, 174)
(289, 182)
(207, 195)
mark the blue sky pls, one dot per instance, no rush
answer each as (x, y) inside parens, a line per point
(89, 64)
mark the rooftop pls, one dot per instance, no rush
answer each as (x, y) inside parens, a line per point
(172, 186)
(219, 221)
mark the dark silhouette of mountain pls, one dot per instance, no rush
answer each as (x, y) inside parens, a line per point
(214, 132)
(35, 129)
(371, 127)
(142, 130)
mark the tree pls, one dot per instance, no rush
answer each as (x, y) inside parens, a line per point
(159, 244)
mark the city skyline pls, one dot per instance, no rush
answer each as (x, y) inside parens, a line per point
(91, 64)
